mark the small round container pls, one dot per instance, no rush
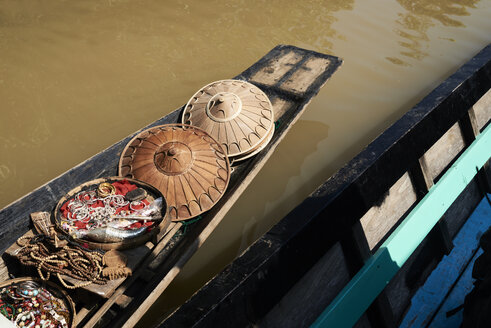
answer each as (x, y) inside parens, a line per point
(93, 185)
(52, 288)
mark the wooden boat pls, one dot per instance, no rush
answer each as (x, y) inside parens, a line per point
(328, 263)
(290, 76)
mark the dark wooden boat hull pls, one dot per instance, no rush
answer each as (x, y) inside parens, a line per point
(290, 77)
(289, 276)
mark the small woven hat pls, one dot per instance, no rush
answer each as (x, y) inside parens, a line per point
(183, 162)
(236, 113)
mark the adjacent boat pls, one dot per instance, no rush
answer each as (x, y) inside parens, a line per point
(359, 247)
(289, 76)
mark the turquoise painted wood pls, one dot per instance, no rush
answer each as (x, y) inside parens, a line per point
(356, 297)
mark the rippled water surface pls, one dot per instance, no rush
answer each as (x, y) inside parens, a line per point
(77, 76)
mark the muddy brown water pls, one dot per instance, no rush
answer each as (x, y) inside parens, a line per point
(75, 77)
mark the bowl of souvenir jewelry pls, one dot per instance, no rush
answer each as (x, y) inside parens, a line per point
(112, 213)
(28, 302)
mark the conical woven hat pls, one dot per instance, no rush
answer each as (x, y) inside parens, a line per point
(183, 162)
(236, 113)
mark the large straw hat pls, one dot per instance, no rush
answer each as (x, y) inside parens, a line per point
(236, 113)
(183, 162)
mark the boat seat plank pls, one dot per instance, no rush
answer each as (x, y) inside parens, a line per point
(81, 313)
(123, 301)
(429, 298)
(135, 257)
(299, 82)
(276, 68)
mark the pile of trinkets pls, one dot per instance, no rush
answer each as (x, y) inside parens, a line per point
(110, 212)
(28, 304)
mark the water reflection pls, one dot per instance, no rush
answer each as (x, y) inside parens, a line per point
(307, 21)
(420, 16)
(97, 70)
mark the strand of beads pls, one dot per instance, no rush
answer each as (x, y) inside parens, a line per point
(71, 260)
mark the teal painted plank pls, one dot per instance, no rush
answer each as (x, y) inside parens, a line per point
(431, 298)
(361, 291)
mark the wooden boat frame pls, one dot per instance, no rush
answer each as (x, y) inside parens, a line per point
(295, 270)
(290, 76)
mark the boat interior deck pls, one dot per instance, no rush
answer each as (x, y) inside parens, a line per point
(446, 287)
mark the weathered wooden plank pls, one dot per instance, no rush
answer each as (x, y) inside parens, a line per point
(322, 283)
(482, 110)
(281, 106)
(276, 68)
(380, 219)
(439, 235)
(441, 154)
(355, 298)
(299, 82)
(4, 272)
(123, 301)
(82, 312)
(428, 300)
